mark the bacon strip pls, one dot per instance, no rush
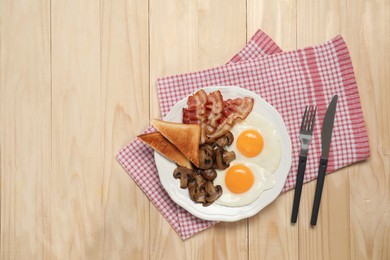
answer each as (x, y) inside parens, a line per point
(215, 115)
(196, 109)
(214, 107)
(196, 113)
(233, 109)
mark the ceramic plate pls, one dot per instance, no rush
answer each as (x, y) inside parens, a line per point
(218, 212)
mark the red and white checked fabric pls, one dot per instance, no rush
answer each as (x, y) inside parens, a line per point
(287, 80)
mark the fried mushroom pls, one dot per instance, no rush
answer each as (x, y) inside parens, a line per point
(205, 157)
(228, 157)
(209, 174)
(183, 174)
(226, 139)
(197, 190)
(219, 163)
(197, 194)
(200, 180)
(212, 193)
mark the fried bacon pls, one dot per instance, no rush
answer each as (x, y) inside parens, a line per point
(233, 109)
(196, 112)
(215, 115)
(214, 110)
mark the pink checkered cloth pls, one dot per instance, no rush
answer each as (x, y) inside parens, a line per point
(287, 80)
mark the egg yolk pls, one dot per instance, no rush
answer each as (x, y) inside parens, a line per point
(239, 178)
(250, 143)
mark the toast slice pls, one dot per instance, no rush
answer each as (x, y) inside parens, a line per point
(159, 143)
(186, 137)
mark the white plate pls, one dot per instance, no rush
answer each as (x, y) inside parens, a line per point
(218, 212)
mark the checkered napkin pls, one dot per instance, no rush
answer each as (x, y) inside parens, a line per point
(287, 80)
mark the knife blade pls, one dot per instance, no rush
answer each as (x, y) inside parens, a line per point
(327, 128)
(326, 137)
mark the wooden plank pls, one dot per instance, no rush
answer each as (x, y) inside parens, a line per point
(276, 18)
(25, 138)
(125, 110)
(173, 49)
(187, 36)
(318, 22)
(368, 39)
(271, 236)
(76, 185)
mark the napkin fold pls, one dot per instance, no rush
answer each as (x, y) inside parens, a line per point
(287, 80)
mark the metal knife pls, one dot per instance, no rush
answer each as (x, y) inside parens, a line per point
(326, 136)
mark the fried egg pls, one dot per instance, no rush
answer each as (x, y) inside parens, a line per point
(257, 140)
(242, 183)
(257, 146)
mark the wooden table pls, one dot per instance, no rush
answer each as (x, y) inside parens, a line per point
(78, 83)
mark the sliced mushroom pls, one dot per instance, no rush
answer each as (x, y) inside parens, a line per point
(227, 157)
(197, 193)
(212, 193)
(230, 137)
(192, 186)
(192, 176)
(199, 197)
(208, 148)
(205, 157)
(219, 163)
(200, 180)
(209, 174)
(226, 139)
(182, 173)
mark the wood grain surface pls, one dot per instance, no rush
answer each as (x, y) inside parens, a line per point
(78, 83)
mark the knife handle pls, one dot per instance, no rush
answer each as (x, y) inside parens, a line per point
(319, 186)
(298, 188)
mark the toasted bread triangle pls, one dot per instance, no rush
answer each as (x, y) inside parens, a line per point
(186, 137)
(159, 143)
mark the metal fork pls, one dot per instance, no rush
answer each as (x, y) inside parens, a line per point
(305, 136)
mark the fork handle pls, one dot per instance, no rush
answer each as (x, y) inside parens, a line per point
(298, 188)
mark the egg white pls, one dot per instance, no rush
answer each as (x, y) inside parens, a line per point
(263, 180)
(269, 157)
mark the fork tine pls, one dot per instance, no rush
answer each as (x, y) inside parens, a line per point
(308, 116)
(304, 119)
(312, 118)
(307, 125)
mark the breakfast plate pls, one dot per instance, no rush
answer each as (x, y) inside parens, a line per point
(215, 211)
